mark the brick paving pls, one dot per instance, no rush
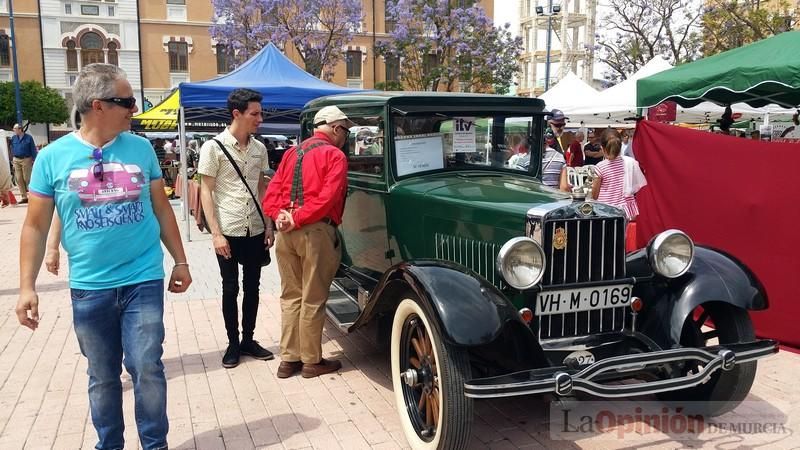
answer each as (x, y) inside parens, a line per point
(43, 400)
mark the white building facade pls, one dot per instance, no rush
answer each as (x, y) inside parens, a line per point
(80, 32)
(572, 33)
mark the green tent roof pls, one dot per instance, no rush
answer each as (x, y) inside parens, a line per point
(759, 74)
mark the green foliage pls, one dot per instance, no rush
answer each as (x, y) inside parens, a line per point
(389, 86)
(40, 104)
(731, 24)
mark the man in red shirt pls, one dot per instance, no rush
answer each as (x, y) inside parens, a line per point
(306, 200)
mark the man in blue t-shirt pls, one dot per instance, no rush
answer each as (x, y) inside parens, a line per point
(106, 185)
(24, 150)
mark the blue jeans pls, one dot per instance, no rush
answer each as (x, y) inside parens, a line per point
(129, 321)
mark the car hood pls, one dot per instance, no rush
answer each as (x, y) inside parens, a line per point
(500, 192)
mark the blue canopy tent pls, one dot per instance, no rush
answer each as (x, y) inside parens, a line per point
(286, 88)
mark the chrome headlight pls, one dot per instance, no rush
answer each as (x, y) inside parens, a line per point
(671, 253)
(521, 262)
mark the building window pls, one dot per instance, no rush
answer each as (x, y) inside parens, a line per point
(178, 56)
(353, 59)
(392, 68)
(90, 10)
(91, 49)
(5, 51)
(223, 59)
(67, 8)
(389, 26)
(113, 55)
(176, 10)
(72, 57)
(111, 11)
(429, 63)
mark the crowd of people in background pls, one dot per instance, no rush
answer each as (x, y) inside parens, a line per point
(607, 155)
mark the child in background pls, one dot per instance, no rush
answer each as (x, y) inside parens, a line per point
(617, 178)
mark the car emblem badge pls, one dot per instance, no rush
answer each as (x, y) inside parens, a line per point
(560, 239)
(586, 209)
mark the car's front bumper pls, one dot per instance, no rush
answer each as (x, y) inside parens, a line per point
(563, 381)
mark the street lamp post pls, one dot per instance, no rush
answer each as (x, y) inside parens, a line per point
(17, 94)
(551, 11)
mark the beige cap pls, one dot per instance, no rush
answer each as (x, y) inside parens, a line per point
(329, 114)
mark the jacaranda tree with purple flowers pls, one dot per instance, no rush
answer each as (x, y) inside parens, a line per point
(317, 29)
(442, 46)
(239, 26)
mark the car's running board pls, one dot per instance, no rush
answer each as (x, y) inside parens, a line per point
(342, 308)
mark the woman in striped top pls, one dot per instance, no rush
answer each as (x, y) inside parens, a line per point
(609, 181)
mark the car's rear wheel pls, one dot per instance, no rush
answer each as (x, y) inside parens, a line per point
(428, 376)
(711, 324)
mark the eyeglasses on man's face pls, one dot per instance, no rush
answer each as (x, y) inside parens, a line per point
(125, 102)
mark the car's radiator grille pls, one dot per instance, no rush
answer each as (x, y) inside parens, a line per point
(554, 326)
(479, 256)
(583, 251)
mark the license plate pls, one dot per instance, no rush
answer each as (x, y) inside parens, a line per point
(118, 190)
(583, 299)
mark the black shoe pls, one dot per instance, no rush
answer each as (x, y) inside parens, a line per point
(231, 358)
(23, 201)
(251, 348)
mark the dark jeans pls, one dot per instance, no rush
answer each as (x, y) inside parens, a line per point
(249, 252)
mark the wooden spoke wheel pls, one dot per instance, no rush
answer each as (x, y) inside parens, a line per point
(428, 377)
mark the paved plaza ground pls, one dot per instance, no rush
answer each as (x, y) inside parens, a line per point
(44, 404)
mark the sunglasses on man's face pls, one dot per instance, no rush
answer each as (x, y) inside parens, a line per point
(346, 130)
(97, 168)
(125, 102)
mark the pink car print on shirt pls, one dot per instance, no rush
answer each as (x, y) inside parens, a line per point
(121, 183)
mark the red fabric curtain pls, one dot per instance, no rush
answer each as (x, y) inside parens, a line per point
(735, 194)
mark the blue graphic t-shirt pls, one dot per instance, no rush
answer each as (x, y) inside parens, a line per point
(110, 231)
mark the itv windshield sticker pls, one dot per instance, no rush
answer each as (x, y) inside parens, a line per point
(463, 134)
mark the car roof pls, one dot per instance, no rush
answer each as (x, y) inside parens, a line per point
(420, 100)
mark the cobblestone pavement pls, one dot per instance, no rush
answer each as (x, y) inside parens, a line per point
(43, 400)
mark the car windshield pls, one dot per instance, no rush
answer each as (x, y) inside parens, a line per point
(449, 141)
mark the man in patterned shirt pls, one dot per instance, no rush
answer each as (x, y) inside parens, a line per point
(235, 220)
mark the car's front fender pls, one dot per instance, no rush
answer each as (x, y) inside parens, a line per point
(714, 276)
(469, 310)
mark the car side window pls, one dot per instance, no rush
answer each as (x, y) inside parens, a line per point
(365, 146)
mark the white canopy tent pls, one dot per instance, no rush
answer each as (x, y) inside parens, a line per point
(569, 93)
(618, 102)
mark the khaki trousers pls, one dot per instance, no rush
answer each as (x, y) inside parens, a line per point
(308, 259)
(22, 173)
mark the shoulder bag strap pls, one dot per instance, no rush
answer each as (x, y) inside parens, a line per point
(548, 162)
(241, 177)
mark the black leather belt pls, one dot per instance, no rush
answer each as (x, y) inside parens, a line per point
(329, 221)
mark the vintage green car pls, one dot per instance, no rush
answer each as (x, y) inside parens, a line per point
(487, 283)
